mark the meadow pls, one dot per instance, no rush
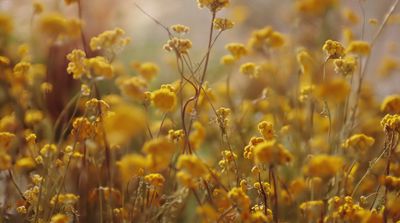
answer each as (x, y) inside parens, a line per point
(199, 111)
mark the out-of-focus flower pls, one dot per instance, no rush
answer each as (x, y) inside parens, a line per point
(122, 123)
(391, 104)
(323, 166)
(6, 24)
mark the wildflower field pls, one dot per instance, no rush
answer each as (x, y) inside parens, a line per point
(117, 111)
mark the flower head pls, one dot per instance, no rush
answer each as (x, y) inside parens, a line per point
(223, 24)
(213, 5)
(323, 166)
(111, 40)
(164, 98)
(333, 49)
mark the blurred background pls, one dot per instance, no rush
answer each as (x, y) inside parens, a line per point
(304, 27)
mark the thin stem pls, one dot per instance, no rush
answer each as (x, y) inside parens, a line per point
(372, 164)
(15, 184)
(276, 205)
(263, 193)
(162, 123)
(197, 95)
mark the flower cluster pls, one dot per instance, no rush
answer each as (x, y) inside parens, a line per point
(279, 119)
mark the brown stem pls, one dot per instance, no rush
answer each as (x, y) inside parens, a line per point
(263, 193)
(15, 184)
(84, 44)
(197, 95)
(276, 205)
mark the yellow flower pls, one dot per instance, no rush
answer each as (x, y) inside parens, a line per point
(148, 70)
(82, 129)
(213, 5)
(228, 159)
(158, 146)
(176, 135)
(132, 165)
(392, 183)
(250, 69)
(21, 210)
(122, 123)
(155, 179)
(240, 198)
(237, 50)
(314, 7)
(333, 49)
(164, 98)
(249, 149)
(265, 186)
(95, 104)
(159, 151)
(323, 166)
(305, 61)
(359, 47)
(306, 92)
(185, 179)
(112, 40)
(335, 90)
(134, 87)
(64, 199)
(33, 117)
(266, 129)
(223, 24)
(276, 40)
(100, 66)
(270, 152)
(259, 37)
(178, 45)
(46, 87)
(391, 122)
(23, 52)
(391, 104)
(25, 163)
(77, 66)
(180, 29)
(31, 139)
(266, 37)
(359, 142)
(85, 90)
(48, 149)
(192, 165)
(21, 70)
(54, 25)
(227, 60)
(345, 66)
(222, 117)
